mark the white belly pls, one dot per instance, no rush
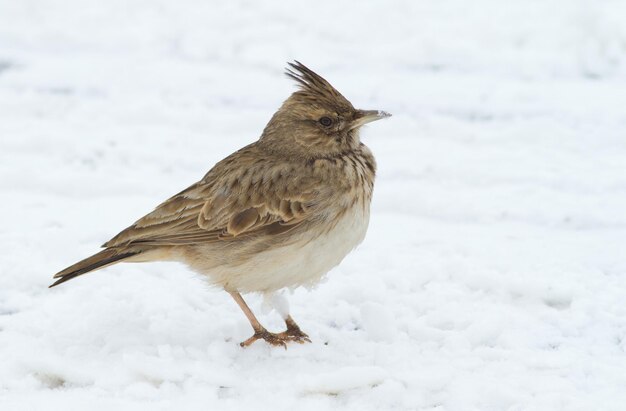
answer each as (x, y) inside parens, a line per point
(300, 264)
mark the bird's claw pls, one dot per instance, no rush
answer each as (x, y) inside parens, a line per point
(279, 339)
(271, 338)
(296, 335)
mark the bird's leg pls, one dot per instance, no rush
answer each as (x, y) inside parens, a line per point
(259, 331)
(293, 332)
(279, 302)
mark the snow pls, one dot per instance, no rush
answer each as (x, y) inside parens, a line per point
(492, 276)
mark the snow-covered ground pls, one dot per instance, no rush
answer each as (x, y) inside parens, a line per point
(493, 276)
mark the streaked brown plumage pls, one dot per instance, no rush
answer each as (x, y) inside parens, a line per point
(278, 213)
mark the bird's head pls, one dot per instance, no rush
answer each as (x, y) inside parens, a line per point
(316, 120)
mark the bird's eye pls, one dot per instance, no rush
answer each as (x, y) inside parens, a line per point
(326, 121)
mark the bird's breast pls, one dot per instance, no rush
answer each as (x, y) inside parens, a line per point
(300, 262)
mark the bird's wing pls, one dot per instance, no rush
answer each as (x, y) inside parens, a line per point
(260, 199)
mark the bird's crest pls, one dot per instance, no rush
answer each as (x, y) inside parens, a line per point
(313, 86)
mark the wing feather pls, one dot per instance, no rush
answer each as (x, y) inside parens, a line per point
(227, 204)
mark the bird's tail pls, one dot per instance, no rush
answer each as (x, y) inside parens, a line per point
(99, 260)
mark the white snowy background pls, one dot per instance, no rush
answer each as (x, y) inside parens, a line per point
(493, 275)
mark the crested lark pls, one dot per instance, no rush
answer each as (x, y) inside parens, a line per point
(280, 212)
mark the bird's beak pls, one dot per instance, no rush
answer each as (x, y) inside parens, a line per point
(367, 116)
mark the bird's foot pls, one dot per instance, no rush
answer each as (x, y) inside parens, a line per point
(279, 339)
(294, 333)
(272, 339)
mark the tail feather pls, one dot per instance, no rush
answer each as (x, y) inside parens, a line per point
(95, 262)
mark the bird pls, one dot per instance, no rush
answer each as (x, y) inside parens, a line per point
(277, 214)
